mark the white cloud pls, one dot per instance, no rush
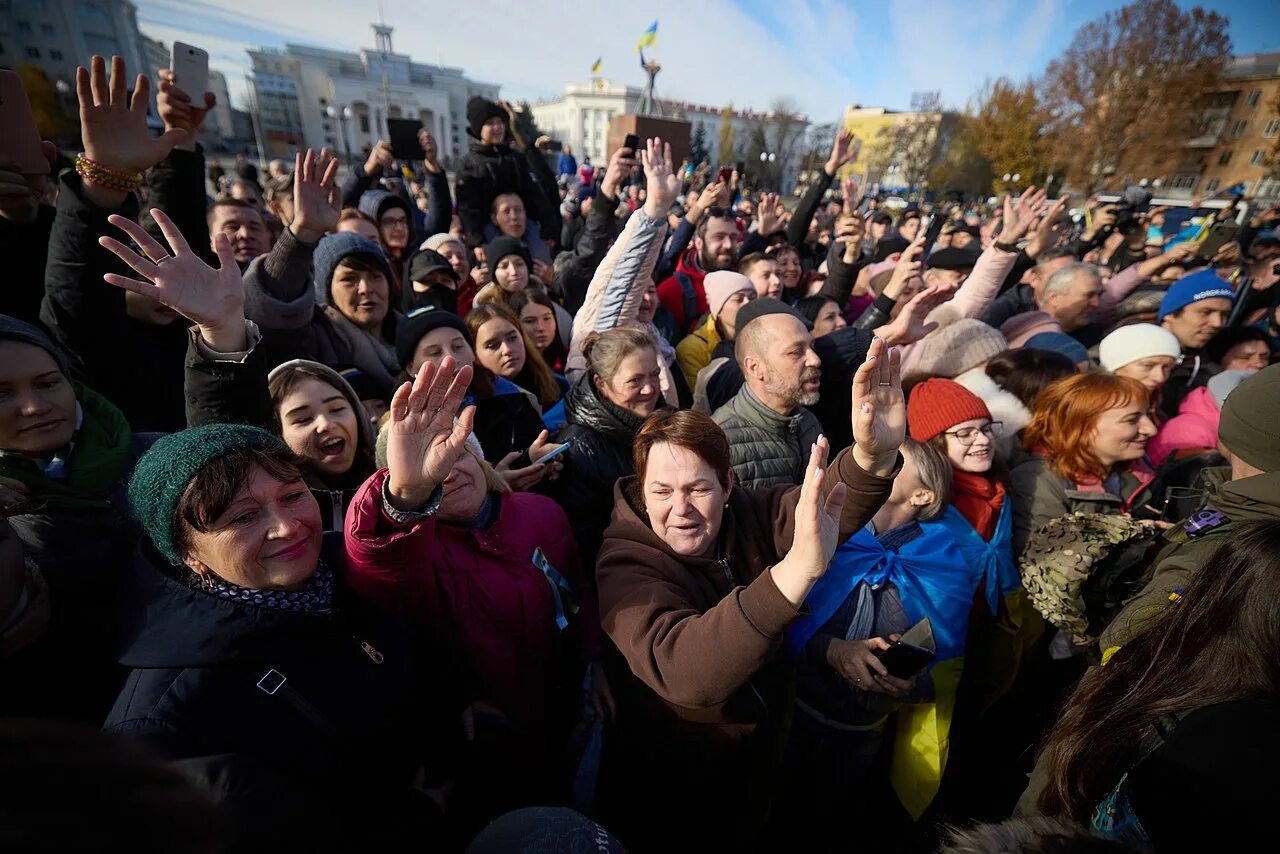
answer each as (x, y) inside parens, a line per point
(712, 51)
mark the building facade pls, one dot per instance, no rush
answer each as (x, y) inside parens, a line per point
(308, 96)
(1240, 123)
(58, 35)
(880, 166)
(580, 118)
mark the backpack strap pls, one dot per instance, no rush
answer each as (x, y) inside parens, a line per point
(688, 300)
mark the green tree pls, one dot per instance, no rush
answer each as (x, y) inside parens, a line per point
(524, 121)
(724, 151)
(1123, 97)
(698, 145)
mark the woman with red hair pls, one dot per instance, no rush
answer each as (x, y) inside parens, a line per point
(1085, 452)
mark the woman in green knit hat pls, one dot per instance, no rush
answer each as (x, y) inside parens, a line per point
(65, 452)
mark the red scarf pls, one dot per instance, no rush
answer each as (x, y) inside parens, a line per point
(979, 499)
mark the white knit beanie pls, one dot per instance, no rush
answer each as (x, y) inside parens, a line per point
(1128, 344)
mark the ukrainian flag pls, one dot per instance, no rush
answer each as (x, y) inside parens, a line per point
(650, 36)
(596, 67)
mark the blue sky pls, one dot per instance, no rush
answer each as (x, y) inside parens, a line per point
(823, 54)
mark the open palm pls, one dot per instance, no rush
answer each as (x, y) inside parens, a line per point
(317, 198)
(424, 439)
(879, 409)
(663, 186)
(817, 521)
(113, 127)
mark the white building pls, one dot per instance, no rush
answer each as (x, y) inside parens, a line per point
(313, 96)
(580, 118)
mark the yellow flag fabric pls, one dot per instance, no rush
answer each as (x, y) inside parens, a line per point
(922, 741)
(596, 66)
(650, 36)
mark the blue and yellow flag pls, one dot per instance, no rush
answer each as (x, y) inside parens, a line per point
(650, 36)
(595, 68)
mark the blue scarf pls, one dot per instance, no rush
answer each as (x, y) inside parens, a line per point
(993, 560)
(931, 575)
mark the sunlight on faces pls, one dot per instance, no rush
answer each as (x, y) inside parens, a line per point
(1076, 306)
(362, 227)
(244, 228)
(37, 402)
(1121, 433)
(500, 348)
(934, 276)
(456, 254)
(788, 266)
(908, 490)
(1152, 372)
(1195, 324)
(539, 324)
(360, 295)
(764, 275)
(781, 365)
(648, 303)
(437, 344)
(512, 274)
(1247, 356)
(683, 499)
(493, 131)
(268, 538)
(636, 385)
(319, 425)
(509, 215)
(718, 247)
(910, 228)
(394, 227)
(464, 490)
(728, 315)
(976, 457)
(829, 319)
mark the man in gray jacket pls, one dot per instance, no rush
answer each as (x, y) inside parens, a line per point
(770, 431)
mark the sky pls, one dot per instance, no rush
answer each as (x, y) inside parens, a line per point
(822, 54)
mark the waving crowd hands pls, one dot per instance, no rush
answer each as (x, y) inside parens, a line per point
(424, 439)
(317, 198)
(879, 410)
(662, 184)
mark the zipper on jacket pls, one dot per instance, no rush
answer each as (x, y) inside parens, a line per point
(728, 573)
(370, 650)
(336, 499)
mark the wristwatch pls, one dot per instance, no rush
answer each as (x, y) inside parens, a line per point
(1005, 247)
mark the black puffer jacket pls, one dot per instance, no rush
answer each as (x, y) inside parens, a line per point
(600, 435)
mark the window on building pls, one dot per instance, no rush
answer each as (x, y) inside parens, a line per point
(33, 53)
(24, 28)
(46, 29)
(1184, 182)
(1258, 158)
(1224, 158)
(1252, 100)
(1268, 188)
(1211, 186)
(364, 123)
(1237, 130)
(1272, 128)
(55, 55)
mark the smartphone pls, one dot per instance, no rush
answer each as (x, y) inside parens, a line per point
(190, 67)
(632, 142)
(404, 138)
(1219, 235)
(19, 138)
(912, 652)
(726, 175)
(559, 449)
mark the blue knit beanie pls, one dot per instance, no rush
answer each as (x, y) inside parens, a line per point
(164, 471)
(1058, 342)
(1203, 285)
(330, 252)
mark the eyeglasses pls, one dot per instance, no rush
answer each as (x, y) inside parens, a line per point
(968, 435)
(392, 222)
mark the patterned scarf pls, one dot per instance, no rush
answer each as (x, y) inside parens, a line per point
(315, 598)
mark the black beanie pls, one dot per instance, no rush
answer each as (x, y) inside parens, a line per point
(766, 305)
(417, 324)
(479, 111)
(502, 246)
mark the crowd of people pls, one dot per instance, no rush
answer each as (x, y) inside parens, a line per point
(546, 507)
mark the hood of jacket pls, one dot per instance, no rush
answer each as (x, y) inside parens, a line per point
(1199, 403)
(169, 623)
(364, 429)
(1250, 499)
(374, 203)
(1004, 406)
(585, 407)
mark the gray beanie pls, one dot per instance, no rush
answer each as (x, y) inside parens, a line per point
(1250, 423)
(958, 347)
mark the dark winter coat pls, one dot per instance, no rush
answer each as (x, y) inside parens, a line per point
(487, 171)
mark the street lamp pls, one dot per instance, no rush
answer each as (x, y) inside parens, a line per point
(343, 115)
(767, 157)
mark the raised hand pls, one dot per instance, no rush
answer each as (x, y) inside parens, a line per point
(113, 127)
(380, 159)
(520, 480)
(769, 214)
(317, 198)
(879, 410)
(910, 265)
(661, 182)
(849, 192)
(430, 155)
(177, 110)
(843, 150)
(912, 323)
(714, 195)
(817, 529)
(212, 299)
(1019, 216)
(622, 163)
(424, 439)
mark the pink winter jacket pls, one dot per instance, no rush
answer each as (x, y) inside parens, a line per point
(1195, 426)
(482, 592)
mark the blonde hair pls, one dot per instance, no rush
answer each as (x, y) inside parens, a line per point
(493, 482)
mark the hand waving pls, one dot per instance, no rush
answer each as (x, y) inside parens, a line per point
(424, 439)
(662, 184)
(113, 127)
(817, 529)
(843, 149)
(912, 323)
(177, 110)
(769, 214)
(213, 299)
(317, 198)
(909, 266)
(1019, 216)
(879, 410)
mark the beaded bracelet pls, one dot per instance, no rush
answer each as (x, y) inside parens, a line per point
(96, 173)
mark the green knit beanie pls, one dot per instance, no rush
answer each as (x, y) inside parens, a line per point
(1250, 423)
(164, 471)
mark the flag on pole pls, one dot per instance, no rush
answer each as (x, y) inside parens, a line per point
(650, 36)
(596, 67)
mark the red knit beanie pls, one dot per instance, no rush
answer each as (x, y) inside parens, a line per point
(937, 405)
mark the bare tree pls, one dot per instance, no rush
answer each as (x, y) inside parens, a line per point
(1121, 99)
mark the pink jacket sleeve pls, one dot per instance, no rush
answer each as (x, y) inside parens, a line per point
(385, 559)
(1120, 286)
